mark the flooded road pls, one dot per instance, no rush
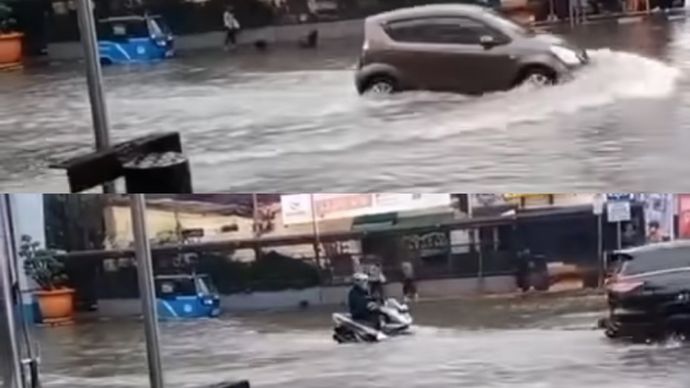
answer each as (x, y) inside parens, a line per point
(290, 120)
(487, 343)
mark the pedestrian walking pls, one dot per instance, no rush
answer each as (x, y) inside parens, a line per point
(409, 283)
(654, 234)
(232, 27)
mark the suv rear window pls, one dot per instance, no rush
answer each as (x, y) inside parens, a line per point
(441, 30)
(658, 260)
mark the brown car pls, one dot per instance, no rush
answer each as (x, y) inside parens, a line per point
(458, 48)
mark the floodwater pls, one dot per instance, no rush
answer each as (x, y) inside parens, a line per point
(290, 120)
(508, 343)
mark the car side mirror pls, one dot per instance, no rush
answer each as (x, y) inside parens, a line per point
(488, 41)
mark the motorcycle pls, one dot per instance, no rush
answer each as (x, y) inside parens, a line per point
(395, 320)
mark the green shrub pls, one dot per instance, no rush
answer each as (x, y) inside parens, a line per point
(41, 265)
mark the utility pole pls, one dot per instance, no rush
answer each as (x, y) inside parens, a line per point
(146, 289)
(94, 78)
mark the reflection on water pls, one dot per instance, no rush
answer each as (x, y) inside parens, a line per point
(517, 344)
(289, 120)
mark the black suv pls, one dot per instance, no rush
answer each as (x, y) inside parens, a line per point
(649, 292)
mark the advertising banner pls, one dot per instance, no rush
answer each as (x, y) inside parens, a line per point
(659, 209)
(532, 200)
(297, 208)
(683, 215)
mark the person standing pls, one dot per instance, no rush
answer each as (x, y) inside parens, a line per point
(409, 284)
(232, 26)
(654, 234)
(377, 281)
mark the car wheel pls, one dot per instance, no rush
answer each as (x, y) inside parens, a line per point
(611, 332)
(542, 282)
(381, 86)
(677, 336)
(538, 77)
(106, 61)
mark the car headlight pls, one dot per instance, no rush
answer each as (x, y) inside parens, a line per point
(567, 56)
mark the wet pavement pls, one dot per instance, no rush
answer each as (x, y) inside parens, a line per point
(511, 343)
(290, 120)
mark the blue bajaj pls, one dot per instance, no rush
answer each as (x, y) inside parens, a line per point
(134, 39)
(186, 296)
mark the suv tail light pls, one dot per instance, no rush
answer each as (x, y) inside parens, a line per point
(624, 286)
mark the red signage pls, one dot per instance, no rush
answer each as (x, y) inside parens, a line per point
(684, 215)
(342, 203)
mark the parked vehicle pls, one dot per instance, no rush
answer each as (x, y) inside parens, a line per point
(186, 296)
(134, 39)
(458, 48)
(649, 293)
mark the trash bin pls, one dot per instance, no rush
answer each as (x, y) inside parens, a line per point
(166, 172)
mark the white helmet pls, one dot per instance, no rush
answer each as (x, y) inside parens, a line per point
(360, 279)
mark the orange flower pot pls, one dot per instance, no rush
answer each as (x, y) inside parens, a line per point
(10, 49)
(56, 305)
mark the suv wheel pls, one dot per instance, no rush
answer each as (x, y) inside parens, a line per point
(538, 76)
(382, 85)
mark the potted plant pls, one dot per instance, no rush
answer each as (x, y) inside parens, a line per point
(55, 299)
(10, 38)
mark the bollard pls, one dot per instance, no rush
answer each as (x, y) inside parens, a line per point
(158, 173)
(149, 164)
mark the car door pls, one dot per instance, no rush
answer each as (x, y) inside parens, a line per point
(470, 56)
(410, 53)
(139, 40)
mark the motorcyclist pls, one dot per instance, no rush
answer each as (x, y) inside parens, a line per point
(362, 306)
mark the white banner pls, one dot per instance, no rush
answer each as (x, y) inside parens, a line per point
(618, 211)
(297, 208)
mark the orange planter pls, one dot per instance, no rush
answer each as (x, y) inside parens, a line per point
(57, 305)
(10, 49)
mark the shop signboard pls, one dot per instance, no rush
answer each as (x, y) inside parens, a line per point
(533, 200)
(304, 208)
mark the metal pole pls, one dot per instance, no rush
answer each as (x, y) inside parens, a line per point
(12, 368)
(94, 77)
(315, 229)
(619, 228)
(600, 248)
(31, 358)
(146, 289)
(255, 213)
(256, 226)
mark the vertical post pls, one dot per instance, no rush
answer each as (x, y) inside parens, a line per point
(255, 214)
(12, 376)
(146, 289)
(256, 226)
(619, 234)
(470, 205)
(600, 248)
(94, 77)
(315, 230)
(480, 258)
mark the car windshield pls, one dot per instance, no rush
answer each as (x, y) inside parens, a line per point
(159, 26)
(658, 260)
(508, 25)
(205, 286)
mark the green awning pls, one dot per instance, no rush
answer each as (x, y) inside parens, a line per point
(375, 221)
